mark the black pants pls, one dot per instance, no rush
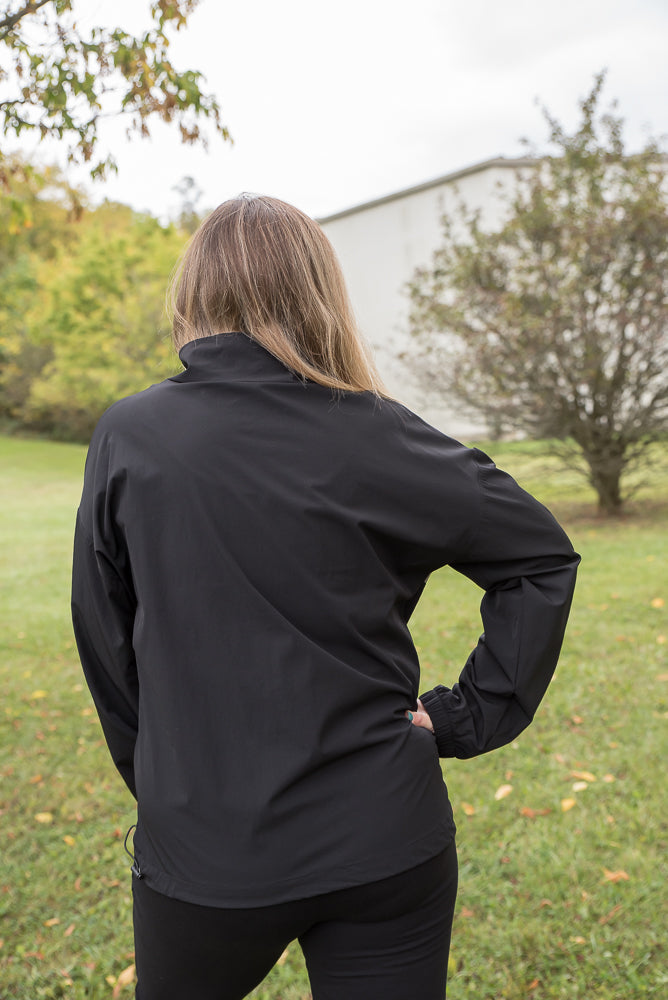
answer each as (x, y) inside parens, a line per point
(388, 940)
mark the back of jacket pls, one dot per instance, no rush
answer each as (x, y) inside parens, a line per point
(249, 549)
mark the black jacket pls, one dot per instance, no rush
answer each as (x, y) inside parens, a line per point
(249, 548)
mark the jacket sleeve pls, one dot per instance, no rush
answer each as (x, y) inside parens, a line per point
(526, 565)
(103, 613)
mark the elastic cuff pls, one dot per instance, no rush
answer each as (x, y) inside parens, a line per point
(440, 717)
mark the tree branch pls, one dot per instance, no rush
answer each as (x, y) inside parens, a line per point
(30, 7)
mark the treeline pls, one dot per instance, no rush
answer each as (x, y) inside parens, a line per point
(82, 305)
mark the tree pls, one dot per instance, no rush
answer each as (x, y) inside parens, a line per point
(82, 316)
(60, 83)
(556, 324)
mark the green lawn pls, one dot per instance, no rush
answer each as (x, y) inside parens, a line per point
(562, 891)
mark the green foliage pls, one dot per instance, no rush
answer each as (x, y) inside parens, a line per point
(61, 81)
(537, 915)
(82, 314)
(556, 324)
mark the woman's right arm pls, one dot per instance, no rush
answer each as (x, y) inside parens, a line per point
(526, 565)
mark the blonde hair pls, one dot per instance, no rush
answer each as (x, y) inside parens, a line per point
(262, 267)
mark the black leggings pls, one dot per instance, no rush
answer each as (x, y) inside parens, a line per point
(388, 940)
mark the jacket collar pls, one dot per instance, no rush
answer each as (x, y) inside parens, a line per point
(233, 357)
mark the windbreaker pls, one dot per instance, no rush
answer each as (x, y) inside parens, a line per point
(249, 548)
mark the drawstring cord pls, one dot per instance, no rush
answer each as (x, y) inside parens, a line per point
(135, 869)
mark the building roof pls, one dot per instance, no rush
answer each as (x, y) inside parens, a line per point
(498, 161)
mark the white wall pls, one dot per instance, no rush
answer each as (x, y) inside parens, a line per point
(380, 245)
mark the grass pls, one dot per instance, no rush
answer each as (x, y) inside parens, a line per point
(555, 903)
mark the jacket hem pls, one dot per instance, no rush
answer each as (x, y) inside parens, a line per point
(302, 887)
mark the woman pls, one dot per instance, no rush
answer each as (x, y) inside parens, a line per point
(253, 536)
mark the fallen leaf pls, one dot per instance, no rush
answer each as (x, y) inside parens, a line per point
(618, 876)
(533, 984)
(545, 902)
(579, 786)
(613, 913)
(502, 792)
(36, 778)
(37, 694)
(52, 922)
(662, 677)
(583, 775)
(577, 720)
(69, 840)
(69, 931)
(532, 813)
(45, 817)
(657, 602)
(567, 804)
(579, 940)
(124, 978)
(466, 913)
(468, 809)
(608, 778)
(661, 639)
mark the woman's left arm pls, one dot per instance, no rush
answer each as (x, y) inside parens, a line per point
(103, 612)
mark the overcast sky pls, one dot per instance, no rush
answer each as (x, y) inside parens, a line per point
(332, 104)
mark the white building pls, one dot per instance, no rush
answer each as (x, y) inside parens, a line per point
(381, 242)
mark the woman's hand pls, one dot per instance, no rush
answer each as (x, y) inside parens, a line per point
(420, 717)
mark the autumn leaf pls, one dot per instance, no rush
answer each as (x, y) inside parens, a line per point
(124, 978)
(69, 931)
(657, 602)
(37, 694)
(69, 840)
(45, 817)
(532, 813)
(608, 778)
(579, 786)
(502, 792)
(52, 922)
(468, 809)
(36, 778)
(567, 804)
(583, 775)
(618, 876)
(609, 916)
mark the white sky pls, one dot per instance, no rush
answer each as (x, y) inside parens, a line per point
(332, 104)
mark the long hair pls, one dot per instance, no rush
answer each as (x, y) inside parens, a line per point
(262, 267)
